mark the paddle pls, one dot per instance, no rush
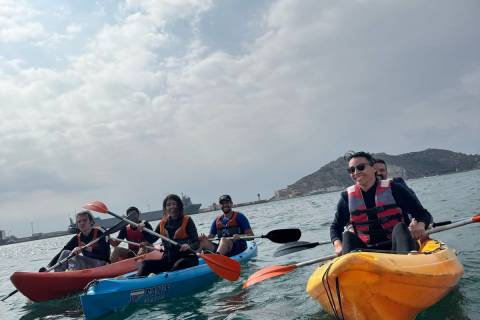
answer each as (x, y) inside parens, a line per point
(136, 244)
(275, 271)
(296, 246)
(113, 229)
(278, 236)
(223, 266)
(304, 245)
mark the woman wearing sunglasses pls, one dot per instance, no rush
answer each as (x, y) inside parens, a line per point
(375, 211)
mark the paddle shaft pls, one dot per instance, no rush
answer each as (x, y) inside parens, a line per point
(153, 233)
(134, 243)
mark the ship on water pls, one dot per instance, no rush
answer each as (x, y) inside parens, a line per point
(188, 207)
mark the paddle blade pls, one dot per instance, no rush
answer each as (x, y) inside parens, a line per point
(96, 206)
(223, 266)
(476, 218)
(283, 235)
(267, 273)
(294, 247)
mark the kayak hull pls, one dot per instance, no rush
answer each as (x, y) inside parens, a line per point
(373, 285)
(111, 295)
(43, 286)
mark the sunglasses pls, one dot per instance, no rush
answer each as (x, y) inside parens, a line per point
(359, 167)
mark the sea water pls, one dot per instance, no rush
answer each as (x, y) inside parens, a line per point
(447, 197)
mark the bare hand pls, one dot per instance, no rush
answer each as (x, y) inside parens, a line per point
(140, 226)
(417, 230)
(202, 237)
(337, 244)
(236, 237)
(76, 251)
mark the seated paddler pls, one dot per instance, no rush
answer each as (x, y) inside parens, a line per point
(179, 227)
(228, 226)
(375, 212)
(92, 256)
(136, 234)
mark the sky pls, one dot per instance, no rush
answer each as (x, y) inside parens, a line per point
(128, 101)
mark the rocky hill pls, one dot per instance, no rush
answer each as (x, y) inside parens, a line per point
(333, 176)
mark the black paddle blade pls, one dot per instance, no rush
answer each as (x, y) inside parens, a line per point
(283, 235)
(294, 247)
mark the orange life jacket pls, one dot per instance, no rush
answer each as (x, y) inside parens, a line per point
(229, 229)
(180, 233)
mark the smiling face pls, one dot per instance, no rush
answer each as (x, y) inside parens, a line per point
(381, 169)
(362, 172)
(226, 206)
(172, 208)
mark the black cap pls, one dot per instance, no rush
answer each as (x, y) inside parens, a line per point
(132, 209)
(225, 197)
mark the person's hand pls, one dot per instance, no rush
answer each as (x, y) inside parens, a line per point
(140, 226)
(202, 237)
(144, 244)
(185, 247)
(417, 230)
(337, 244)
(76, 251)
(236, 237)
(42, 269)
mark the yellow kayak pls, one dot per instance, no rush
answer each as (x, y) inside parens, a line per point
(373, 285)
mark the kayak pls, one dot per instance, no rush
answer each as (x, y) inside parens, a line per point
(43, 286)
(111, 295)
(374, 285)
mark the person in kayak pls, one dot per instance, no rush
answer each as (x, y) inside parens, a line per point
(133, 234)
(375, 211)
(93, 256)
(229, 224)
(382, 173)
(180, 228)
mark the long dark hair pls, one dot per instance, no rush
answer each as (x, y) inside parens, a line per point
(175, 198)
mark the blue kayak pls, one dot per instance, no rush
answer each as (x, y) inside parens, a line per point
(111, 295)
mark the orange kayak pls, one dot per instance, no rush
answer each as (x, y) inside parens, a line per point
(374, 285)
(43, 286)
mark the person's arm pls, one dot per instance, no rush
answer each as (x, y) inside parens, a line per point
(213, 229)
(340, 220)
(193, 242)
(121, 235)
(421, 218)
(149, 237)
(244, 225)
(71, 244)
(409, 203)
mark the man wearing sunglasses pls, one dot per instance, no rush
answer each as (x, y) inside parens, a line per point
(376, 210)
(227, 225)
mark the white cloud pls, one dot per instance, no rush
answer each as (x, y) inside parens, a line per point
(149, 108)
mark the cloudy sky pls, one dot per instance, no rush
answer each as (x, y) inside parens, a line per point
(127, 101)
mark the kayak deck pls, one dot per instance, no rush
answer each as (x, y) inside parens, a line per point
(373, 285)
(110, 295)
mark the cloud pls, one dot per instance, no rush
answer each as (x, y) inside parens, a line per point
(152, 103)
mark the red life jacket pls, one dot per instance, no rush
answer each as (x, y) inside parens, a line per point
(386, 211)
(134, 235)
(181, 234)
(229, 229)
(95, 236)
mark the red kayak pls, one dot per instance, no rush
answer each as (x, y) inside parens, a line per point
(43, 286)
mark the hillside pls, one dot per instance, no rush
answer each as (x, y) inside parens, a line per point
(333, 176)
